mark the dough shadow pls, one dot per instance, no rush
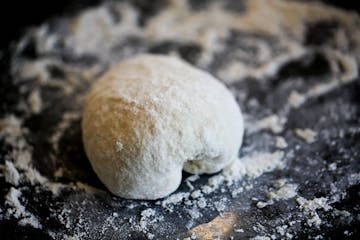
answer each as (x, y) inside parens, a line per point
(73, 160)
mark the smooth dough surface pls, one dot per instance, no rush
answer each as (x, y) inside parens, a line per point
(152, 116)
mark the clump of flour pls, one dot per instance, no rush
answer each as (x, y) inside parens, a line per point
(18, 210)
(283, 190)
(310, 207)
(307, 135)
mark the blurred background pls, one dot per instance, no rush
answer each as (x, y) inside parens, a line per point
(17, 15)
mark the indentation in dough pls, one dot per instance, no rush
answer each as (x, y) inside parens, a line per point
(143, 124)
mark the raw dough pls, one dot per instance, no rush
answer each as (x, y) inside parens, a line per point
(152, 116)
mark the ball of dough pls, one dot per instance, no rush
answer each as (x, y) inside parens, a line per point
(152, 116)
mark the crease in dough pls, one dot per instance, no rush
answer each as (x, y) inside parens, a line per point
(152, 116)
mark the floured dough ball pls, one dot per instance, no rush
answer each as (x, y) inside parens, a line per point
(151, 116)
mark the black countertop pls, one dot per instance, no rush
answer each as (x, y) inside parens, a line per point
(327, 168)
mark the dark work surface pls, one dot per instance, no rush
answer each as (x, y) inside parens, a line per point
(337, 141)
(35, 13)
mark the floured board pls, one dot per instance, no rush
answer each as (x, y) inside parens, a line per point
(294, 70)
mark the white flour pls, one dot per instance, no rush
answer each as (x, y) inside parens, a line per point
(310, 207)
(283, 191)
(273, 123)
(18, 210)
(11, 173)
(307, 135)
(35, 102)
(296, 99)
(209, 29)
(281, 143)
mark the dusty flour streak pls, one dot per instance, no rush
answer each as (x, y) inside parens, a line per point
(274, 123)
(348, 75)
(250, 166)
(98, 20)
(208, 29)
(11, 173)
(67, 119)
(18, 210)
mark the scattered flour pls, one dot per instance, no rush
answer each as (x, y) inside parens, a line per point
(221, 204)
(18, 211)
(35, 102)
(310, 206)
(169, 202)
(337, 60)
(314, 204)
(67, 119)
(283, 190)
(12, 199)
(201, 27)
(307, 134)
(274, 123)
(236, 192)
(354, 178)
(190, 179)
(253, 165)
(196, 194)
(345, 216)
(296, 99)
(282, 230)
(56, 188)
(145, 216)
(11, 173)
(280, 142)
(259, 237)
(34, 177)
(11, 130)
(332, 167)
(201, 202)
(194, 213)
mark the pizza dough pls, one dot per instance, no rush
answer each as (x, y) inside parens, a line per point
(152, 116)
